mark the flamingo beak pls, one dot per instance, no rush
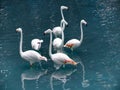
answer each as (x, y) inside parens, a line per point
(66, 25)
(41, 41)
(44, 34)
(46, 59)
(86, 24)
(43, 58)
(67, 8)
(16, 30)
(64, 45)
(74, 63)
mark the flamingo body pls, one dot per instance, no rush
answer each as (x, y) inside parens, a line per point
(30, 55)
(57, 31)
(74, 43)
(57, 43)
(58, 58)
(61, 58)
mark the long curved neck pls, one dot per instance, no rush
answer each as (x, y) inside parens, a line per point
(63, 27)
(62, 14)
(50, 45)
(81, 39)
(21, 39)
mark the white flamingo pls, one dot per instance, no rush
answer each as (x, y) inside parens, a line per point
(74, 43)
(58, 30)
(29, 55)
(36, 43)
(58, 42)
(58, 58)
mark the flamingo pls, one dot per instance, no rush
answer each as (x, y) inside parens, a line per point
(74, 43)
(36, 43)
(29, 55)
(58, 58)
(58, 30)
(58, 42)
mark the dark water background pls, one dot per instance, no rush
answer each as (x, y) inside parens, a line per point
(99, 52)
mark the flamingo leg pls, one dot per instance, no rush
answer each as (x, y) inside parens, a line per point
(41, 65)
(31, 64)
(71, 49)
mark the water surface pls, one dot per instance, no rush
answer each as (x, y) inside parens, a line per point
(98, 55)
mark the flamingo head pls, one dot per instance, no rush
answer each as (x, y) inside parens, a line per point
(36, 44)
(40, 41)
(84, 22)
(37, 41)
(19, 29)
(64, 7)
(47, 31)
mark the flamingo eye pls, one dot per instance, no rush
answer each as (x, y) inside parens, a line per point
(38, 42)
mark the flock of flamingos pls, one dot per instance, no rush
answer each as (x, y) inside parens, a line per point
(59, 58)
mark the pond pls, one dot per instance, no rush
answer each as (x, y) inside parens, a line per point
(98, 55)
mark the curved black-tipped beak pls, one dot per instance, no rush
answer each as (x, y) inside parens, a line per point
(86, 25)
(16, 31)
(68, 9)
(44, 34)
(67, 25)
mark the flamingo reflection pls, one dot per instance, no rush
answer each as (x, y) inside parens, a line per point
(31, 74)
(62, 76)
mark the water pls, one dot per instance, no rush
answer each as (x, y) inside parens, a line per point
(99, 53)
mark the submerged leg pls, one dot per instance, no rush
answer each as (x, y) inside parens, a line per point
(72, 49)
(63, 65)
(57, 66)
(41, 65)
(31, 64)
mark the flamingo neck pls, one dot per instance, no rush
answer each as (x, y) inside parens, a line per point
(63, 27)
(59, 50)
(81, 39)
(62, 14)
(21, 41)
(50, 45)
